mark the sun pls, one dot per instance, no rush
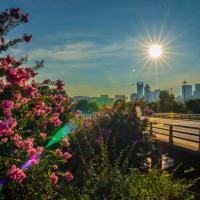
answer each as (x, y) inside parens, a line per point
(155, 51)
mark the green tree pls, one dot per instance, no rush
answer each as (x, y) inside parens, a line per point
(179, 107)
(82, 105)
(93, 107)
(193, 105)
(166, 101)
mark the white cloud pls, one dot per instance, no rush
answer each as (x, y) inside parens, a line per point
(79, 51)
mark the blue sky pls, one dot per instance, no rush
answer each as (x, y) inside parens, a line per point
(99, 46)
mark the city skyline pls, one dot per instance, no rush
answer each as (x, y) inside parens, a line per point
(98, 47)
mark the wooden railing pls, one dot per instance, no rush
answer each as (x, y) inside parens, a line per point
(184, 136)
(182, 116)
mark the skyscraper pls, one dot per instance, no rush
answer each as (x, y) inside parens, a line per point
(186, 92)
(147, 91)
(156, 95)
(197, 90)
(140, 89)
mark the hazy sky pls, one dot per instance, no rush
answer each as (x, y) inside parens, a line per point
(98, 46)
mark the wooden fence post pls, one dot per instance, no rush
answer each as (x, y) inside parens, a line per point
(151, 129)
(171, 134)
(199, 139)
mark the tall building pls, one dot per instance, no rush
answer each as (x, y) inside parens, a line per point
(186, 92)
(156, 95)
(197, 90)
(147, 93)
(140, 89)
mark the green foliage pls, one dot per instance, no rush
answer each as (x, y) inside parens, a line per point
(93, 107)
(193, 105)
(82, 105)
(115, 181)
(167, 103)
(86, 107)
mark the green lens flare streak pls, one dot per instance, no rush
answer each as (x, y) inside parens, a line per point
(64, 131)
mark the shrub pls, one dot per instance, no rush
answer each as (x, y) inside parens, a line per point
(29, 114)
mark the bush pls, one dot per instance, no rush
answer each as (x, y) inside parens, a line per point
(116, 181)
(30, 113)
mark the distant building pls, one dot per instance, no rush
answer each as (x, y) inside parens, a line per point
(147, 93)
(134, 97)
(197, 91)
(78, 98)
(156, 95)
(151, 96)
(179, 99)
(186, 92)
(120, 97)
(140, 88)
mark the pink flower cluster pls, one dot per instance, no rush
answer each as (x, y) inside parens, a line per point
(17, 76)
(55, 121)
(7, 105)
(54, 178)
(6, 127)
(17, 140)
(9, 60)
(30, 90)
(69, 176)
(60, 85)
(65, 155)
(41, 109)
(16, 174)
(66, 142)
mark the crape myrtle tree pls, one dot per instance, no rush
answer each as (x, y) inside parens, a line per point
(30, 113)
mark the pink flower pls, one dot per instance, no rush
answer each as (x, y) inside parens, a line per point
(54, 178)
(7, 113)
(17, 105)
(59, 153)
(10, 59)
(40, 109)
(17, 96)
(24, 100)
(16, 174)
(69, 176)
(60, 85)
(4, 64)
(17, 140)
(66, 142)
(43, 135)
(8, 123)
(7, 105)
(55, 121)
(6, 132)
(39, 150)
(58, 98)
(24, 18)
(67, 155)
(31, 152)
(27, 38)
(4, 140)
(28, 143)
(30, 90)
